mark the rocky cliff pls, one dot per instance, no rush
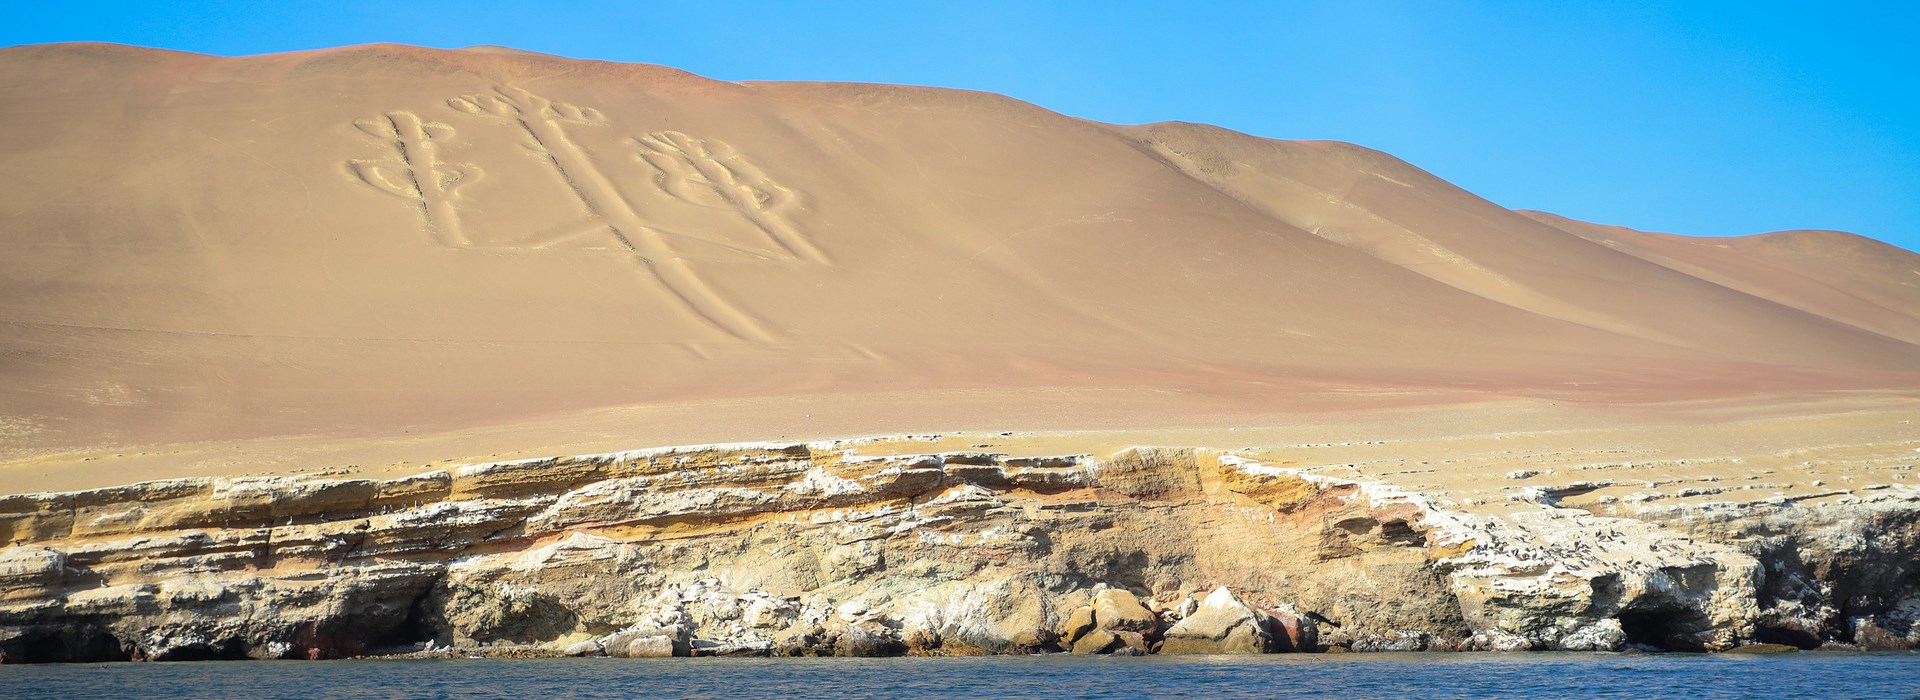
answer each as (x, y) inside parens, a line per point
(868, 548)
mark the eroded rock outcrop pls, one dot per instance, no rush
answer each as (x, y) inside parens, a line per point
(820, 549)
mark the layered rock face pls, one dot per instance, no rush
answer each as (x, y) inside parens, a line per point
(865, 548)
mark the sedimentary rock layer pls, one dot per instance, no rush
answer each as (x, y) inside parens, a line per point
(867, 548)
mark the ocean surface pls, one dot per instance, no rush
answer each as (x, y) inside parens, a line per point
(1803, 675)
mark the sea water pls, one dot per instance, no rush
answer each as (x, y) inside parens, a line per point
(1801, 675)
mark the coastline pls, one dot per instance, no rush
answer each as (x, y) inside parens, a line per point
(867, 547)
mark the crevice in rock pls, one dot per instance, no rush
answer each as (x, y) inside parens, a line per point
(1766, 634)
(1607, 591)
(1399, 533)
(231, 649)
(1661, 629)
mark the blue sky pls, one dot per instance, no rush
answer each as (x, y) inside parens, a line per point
(1691, 117)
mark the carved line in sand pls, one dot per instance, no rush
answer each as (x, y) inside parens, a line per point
(544, 120)
(417, 173)
(710, 173)
(706, 173)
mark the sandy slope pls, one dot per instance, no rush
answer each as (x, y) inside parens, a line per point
(1865, 283)
(388, 254)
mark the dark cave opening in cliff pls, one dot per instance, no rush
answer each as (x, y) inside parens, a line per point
(1660, 629)
(219, 650)
(81, 643)
(1791, 637)
(418, 626)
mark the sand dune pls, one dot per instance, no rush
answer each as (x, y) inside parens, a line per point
(370, 242)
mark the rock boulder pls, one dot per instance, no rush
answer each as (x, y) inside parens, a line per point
(1220, 624)
(1118, 610)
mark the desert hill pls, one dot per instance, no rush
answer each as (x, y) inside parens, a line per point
(373, 241)
(391, 350)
